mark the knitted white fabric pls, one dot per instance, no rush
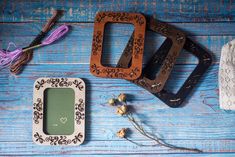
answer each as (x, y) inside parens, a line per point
(227, 77)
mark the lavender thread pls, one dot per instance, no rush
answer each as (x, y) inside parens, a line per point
(8, 57)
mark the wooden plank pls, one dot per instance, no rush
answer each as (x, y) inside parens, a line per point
(201, 118)
(192, 29)
(120, 147)
(75, 48)
(85, 11)
(199, 124)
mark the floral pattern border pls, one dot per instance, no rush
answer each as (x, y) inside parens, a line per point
(119, 16)
(37, 107)
(58, 140)
(117, 73)
(59, 82)
(79, 110)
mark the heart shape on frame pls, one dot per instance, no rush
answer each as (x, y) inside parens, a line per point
(63, 120)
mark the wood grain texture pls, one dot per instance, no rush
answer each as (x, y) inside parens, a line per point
(200, 123)
(85, 10)
(196, 121)
(80, 37)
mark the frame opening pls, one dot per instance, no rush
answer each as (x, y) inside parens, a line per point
(58, 111)
(181, 72)
(116, 35)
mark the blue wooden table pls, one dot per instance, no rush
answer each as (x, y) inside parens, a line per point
(200, 123)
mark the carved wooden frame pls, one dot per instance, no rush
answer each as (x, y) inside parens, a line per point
(177, 38)
(176, 99)
(171, 99)
(135, 70)
(38, 135)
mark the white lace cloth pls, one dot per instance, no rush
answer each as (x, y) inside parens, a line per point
(227, 77)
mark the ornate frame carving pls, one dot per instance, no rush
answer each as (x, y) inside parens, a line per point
(135, 70)
(78, 136)
(176, 99)
(176, 40)
(160, 57)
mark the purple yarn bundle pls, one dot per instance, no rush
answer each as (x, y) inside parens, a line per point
(8, 57)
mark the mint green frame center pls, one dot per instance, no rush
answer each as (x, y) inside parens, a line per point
(58, 113)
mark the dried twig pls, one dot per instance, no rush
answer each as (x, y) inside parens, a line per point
(123, 111)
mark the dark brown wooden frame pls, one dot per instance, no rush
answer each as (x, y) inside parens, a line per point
(177, 39)
(171, 99)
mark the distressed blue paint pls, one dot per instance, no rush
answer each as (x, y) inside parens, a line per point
(80, 38)
(200, 123)
(85, 11)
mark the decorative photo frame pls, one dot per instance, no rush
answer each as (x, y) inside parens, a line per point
(175, 39)
(135, 70)
(38, 134)
(171, 99)
(205, 60)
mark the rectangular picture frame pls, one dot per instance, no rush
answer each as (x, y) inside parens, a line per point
(176, 39)
(135, 70)
(160, 57)
(38, 135)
